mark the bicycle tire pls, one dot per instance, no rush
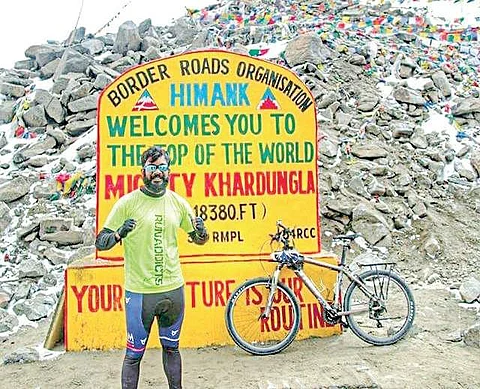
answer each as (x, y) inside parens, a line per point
(256, 335)
(394, 294)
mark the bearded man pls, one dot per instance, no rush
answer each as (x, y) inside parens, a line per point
(146, 221)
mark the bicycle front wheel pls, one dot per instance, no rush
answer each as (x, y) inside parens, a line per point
(385, 318)
(256, 334)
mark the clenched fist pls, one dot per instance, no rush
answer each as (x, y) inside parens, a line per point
(199, 226)
(127, 227)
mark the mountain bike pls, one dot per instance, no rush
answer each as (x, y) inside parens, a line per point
(377, 306)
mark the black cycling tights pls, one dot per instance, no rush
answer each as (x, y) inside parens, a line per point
(172, 366)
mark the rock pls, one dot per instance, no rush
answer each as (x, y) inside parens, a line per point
(22, 355)
(440, 80)
(23, 290)
(27, 230)
(432, 247)
(65, 238)
(55, 110)
(420, 209)
(357, 59)
(24, 64)
(368, 258)
(307, 48)
(475, 162)
(4, 300)
(471, 337)
(35, 116)
(128, 38)
(6, 114)
(375, 188)
(38, 148)
(5, 217)
(328, 148)
(405, 71)
(38, 161)
(102, 81)
(374, 233)
(43, 54)
(369, 151)
(14, 189)
(60, 231)
(83, 90)
(3, 140)
(49, 69)
(327, 100)
(71, 62)
(31, 269)
(56, 256)
(84, 104)
(343, 119)
(340, 206)
(59, 85)
(404, 95)
(79, 127)
(432, 278)
(184, 32)
(200, 41)
(145, 26)
(418, 140)
(455, 336)
(401, 129)
(36, 308)
(7, 322)
(93, 46)
(76, 36)
(12, 90)
(470, 289)
(367, 102)
(464, 171)
(466, 106)
(81, 253)
(369, 223)
(86, 152)
(357, 185)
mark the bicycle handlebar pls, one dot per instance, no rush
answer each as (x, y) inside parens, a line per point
(280, 224)
(282, 235)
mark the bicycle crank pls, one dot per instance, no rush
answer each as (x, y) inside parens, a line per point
(331, 316)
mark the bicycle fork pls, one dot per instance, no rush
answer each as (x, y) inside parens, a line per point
(273, 289)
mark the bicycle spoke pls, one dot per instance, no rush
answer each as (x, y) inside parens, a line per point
(250, 329)
(390, 309)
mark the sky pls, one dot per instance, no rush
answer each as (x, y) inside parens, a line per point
(29, 22)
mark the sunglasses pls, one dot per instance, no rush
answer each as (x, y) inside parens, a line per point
(151, 168)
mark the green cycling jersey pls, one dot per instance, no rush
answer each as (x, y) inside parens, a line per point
(152, 262)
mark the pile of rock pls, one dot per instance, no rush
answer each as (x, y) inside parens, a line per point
(381, 166)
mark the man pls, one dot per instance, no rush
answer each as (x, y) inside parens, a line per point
(146, 221)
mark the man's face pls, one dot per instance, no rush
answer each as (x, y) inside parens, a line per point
(155, 174)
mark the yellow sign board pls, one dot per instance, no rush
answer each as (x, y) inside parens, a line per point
(242, 136)
(94, 304)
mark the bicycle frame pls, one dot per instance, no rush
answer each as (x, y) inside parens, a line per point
(341, 270)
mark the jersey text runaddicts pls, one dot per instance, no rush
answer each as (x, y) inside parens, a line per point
(153, 265)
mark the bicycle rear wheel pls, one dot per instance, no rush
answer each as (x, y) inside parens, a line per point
(251, 332)
(385, 319)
